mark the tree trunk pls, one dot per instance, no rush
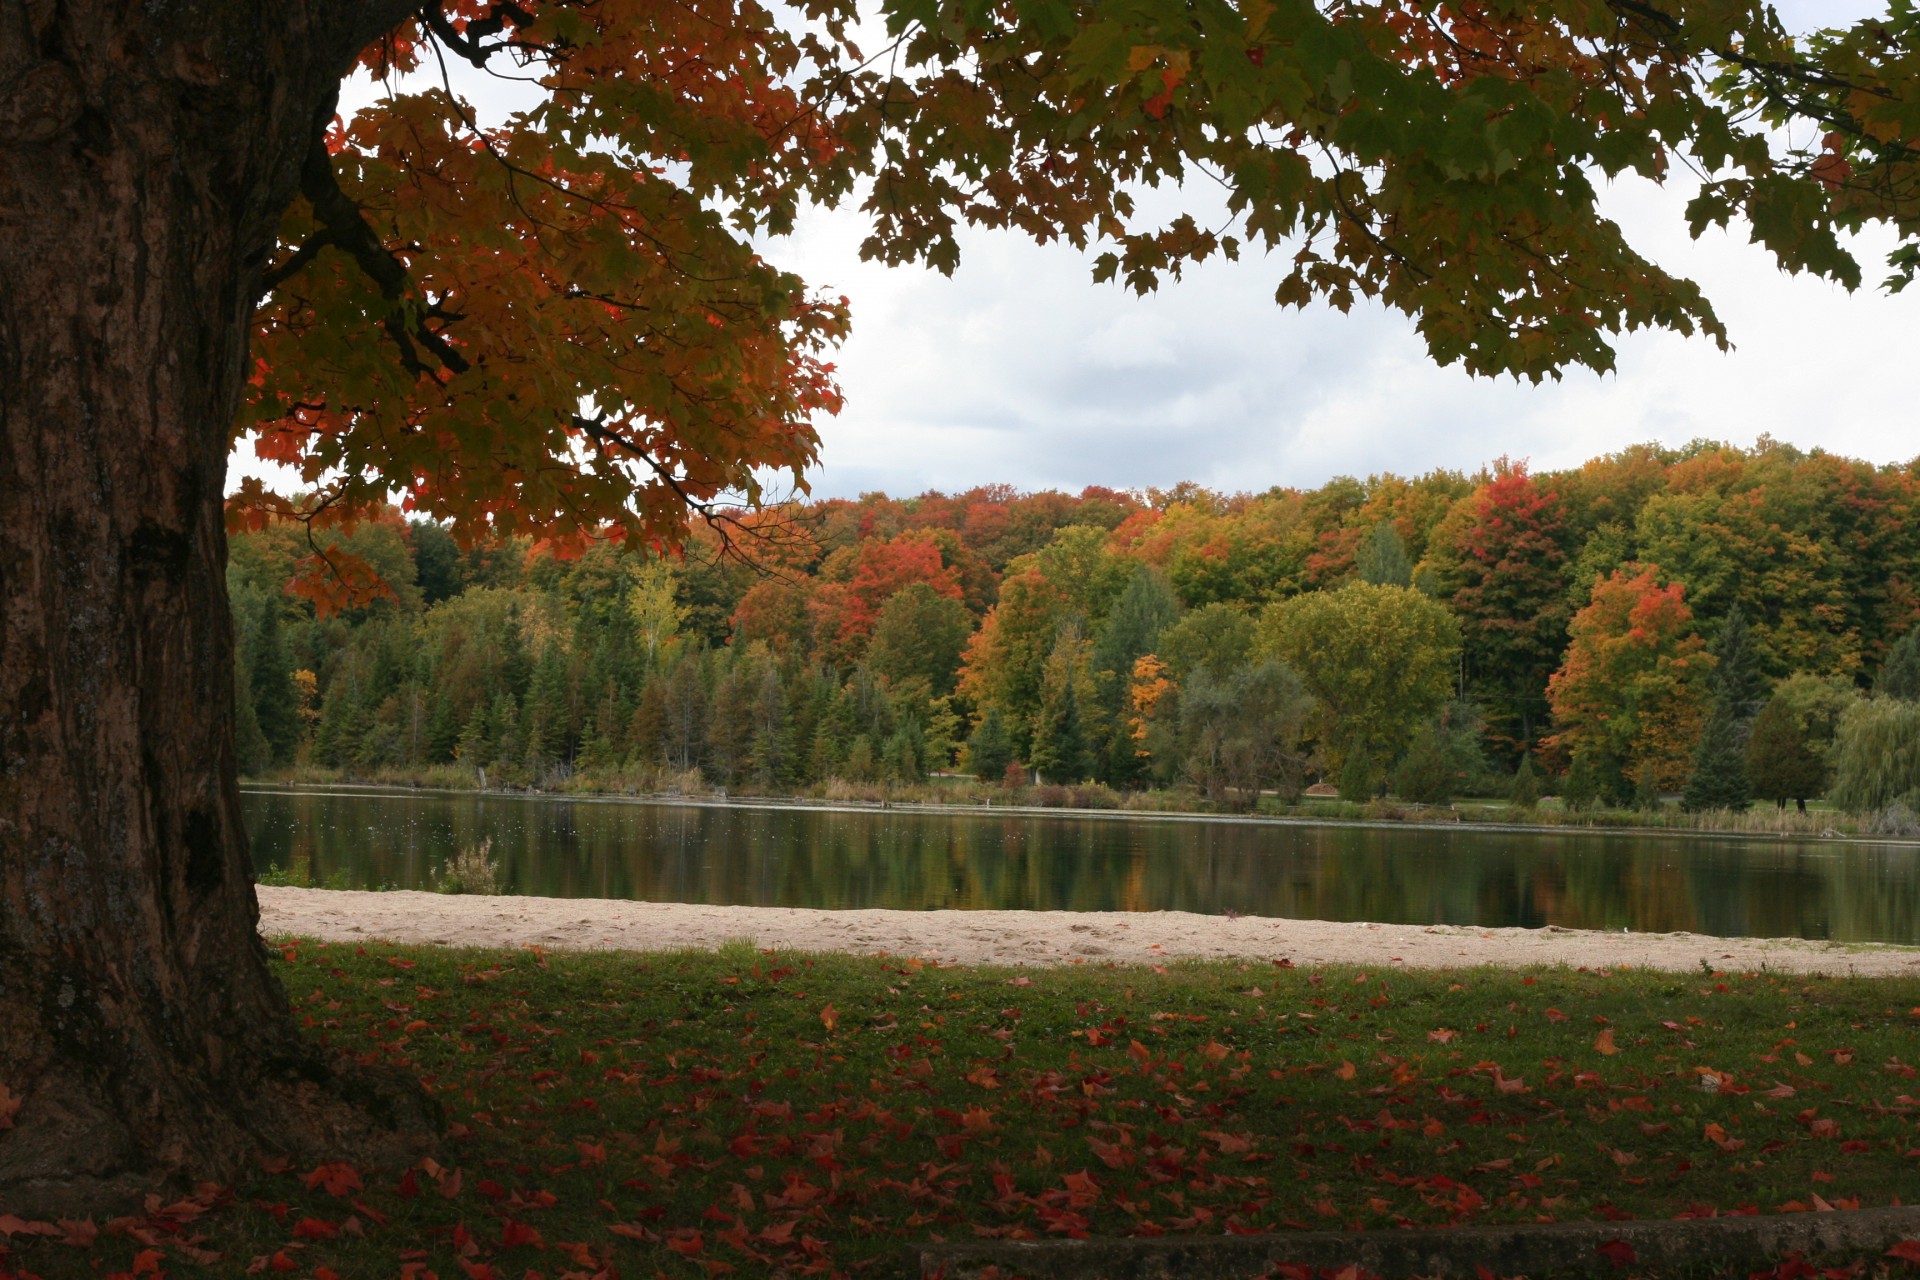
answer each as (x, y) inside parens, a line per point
(146, 155)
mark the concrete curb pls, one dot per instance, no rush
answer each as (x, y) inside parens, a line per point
(1731, 1245)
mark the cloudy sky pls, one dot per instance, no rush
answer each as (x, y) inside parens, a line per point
(1019, 369)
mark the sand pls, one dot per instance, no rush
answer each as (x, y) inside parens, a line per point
(1029, 937)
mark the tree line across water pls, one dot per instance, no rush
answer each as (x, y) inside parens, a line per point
(1731, 624)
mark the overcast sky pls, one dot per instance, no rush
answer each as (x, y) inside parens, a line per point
(1018, 369)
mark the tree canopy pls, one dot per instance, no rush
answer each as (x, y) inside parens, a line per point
(563, 323)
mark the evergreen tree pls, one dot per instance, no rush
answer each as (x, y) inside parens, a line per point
(270, 681)
(1061, 752)
(1525, 790)
(251, 750)
(1719, 777)
(1900, 674)
(647, 730)
(1782, 760)
(1140, 617)
(1427, 773)
(1356, 775)
(1382, 558)
(1737, 684)
(684, 714)
(990, 748)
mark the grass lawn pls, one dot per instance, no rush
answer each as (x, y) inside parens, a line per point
(738, 1112)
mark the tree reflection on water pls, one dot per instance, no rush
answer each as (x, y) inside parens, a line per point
(917, 860)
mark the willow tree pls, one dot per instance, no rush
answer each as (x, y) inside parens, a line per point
(561, 324)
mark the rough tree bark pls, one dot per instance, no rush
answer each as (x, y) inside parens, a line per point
(146, 154)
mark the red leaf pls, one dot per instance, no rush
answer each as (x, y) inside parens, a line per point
(337, 1179)
(315, 1229)
(1618, 1252)
(1906, 1251)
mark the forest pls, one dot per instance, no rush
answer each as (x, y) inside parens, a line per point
(1730, 624)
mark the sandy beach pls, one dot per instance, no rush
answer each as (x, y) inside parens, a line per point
(1028, 937)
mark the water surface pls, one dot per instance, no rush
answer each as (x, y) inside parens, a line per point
(917, 860)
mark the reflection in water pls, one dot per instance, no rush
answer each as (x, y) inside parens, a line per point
(919, 860)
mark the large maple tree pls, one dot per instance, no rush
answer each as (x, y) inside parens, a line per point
(563, 324)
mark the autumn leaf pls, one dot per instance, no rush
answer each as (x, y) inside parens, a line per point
(1618, 1252)
(336, 1179)
(1345, 1070)
(9, 1107)
(829, 1017)
(1906, 1251)
(1603, 1043)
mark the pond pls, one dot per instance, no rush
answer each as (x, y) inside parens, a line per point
(776, 856)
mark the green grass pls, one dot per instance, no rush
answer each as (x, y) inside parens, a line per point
(690, 1113)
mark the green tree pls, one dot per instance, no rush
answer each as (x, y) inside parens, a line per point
(1718, 779)
(1143, 613)
(1877, 755)
(1383, 559)
(1062, 740)
(1378, 660)
(1426, 774)
(1525, 788)
(1900, 674)
(920, 634)
(1782, 760)
(990, 747)
(1240, 735)
(1217, 638)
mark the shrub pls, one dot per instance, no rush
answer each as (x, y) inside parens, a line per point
(471, 870)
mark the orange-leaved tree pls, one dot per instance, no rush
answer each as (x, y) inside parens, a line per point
(563, 323)
(1632, 691)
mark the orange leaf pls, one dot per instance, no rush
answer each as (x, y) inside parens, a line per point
(1906, 1251)
(1603, 1043)
(830, 1017)
(1345, 1070)
(337, 1179)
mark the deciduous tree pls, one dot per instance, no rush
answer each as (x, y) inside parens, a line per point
(1377, 659)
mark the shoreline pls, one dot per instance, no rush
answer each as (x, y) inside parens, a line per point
(916, 807)
(1032, 938)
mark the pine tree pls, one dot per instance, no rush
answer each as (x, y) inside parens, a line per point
(1737, 684)
(1061, 752)
(1525, 790)
(990, 749)
(1719, 777)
